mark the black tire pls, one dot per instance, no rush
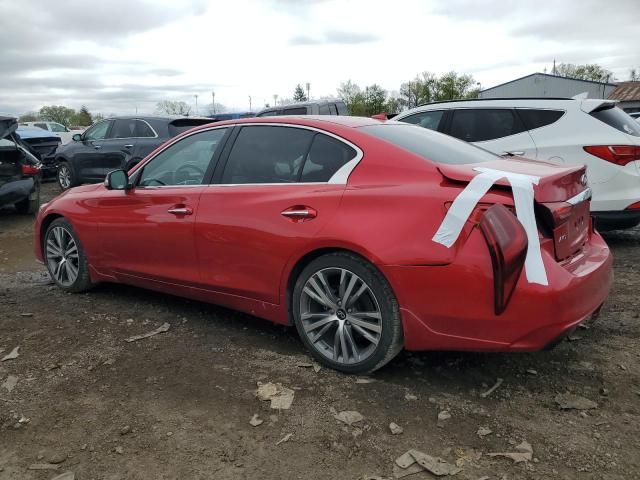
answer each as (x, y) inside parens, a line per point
(65, 167)
(82, 281)
(391, 337)
(29, 206)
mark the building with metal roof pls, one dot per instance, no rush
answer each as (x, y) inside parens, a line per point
(628, 96)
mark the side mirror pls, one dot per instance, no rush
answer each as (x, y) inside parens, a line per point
(117, 180)
(76, 137)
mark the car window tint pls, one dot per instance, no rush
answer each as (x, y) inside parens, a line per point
(618, 119)
(430, 119)
(98, 131)
(123, 128)
(265, 154)
(477, 125)
(323, 109)
(143, 130)
(183, 163)
(430, 145)
(295, 111)
(56, 127)
(325, 158)
(535, 118)
(41, 125)
(270, 113)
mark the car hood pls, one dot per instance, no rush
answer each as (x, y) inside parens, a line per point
(8, 125)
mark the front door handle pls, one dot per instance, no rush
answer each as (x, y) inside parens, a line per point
(181, 210)
(128, 145)
(518, 153)
(300, 213)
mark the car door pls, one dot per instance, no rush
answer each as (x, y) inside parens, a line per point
(498, 130)
(87, 154)
(147, 231)
(270, 198)
(119, 145)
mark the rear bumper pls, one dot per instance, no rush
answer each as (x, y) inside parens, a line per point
(17, 191)
(616, 220)
(451, 307)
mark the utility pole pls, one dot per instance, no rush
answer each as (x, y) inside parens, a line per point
(213, 101)
(308, 88)
(196, 104)
(275, 99)
(249, 102)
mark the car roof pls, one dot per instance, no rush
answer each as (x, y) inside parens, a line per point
(319, 121)
(156, 118)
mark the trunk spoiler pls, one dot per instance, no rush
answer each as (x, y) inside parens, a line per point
(594, 105)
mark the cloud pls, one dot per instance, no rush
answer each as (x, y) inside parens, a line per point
(333, 37)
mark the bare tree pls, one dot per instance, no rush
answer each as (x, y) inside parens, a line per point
(170, 107)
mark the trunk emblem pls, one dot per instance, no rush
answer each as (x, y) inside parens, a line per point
(583, 180)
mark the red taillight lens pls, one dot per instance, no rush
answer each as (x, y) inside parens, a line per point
(634, 206)
(507, 242)
(30, 169)
(618, 154)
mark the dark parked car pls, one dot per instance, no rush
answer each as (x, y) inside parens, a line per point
(43, 145)
(19, 170)
(332, 107)
(115, 143)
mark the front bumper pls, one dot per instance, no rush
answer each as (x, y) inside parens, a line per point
(451, 307)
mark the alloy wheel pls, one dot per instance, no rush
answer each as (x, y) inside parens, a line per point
(64, 176)
(62, 256)
(340, 315)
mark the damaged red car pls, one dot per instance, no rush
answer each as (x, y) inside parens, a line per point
(368, 236)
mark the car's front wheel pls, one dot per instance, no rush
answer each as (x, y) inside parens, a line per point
(347, 314)
(65, 258)
(65, 176)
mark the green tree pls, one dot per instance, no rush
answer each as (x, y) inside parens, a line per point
(351, 95)
(82, 118)
(29, 117)
(55, 113)
(590, 71)
(634, 76)
(299, 95)
(169, 107)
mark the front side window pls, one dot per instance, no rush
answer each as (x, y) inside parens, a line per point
(56, 127)
(123, 128)
(478, 125)
(98, 131)
(265, 154)
(430, 119)
(183, 163)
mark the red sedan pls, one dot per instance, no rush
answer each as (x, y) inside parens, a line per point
(368, 236)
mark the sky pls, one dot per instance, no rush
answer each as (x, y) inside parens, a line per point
(123, 56)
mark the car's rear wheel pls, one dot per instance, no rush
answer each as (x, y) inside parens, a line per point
(65, 176)
(65, 258)
(30, 205)
(347, 314)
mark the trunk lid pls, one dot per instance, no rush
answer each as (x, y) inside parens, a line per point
(561, 198)
(8, 125)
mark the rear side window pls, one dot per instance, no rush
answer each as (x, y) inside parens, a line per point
(56, 127)
(295, 111)
(270, 113)
(430, 145)
(183, 124)
(265, 154)
(143, 130)
(41, 125)
(478, 125)
(535, 118)
(618, 119)
(325, 158)
(430, 120)
(123, 128)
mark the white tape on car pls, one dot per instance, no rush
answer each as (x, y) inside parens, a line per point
(466, 201)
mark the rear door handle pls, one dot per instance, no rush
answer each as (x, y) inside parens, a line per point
(518, 153)
(181, 210)
(300, 213)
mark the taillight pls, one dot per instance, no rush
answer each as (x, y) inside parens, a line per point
(634, 206)
(30, 169)
(618, 154)
(507, 242)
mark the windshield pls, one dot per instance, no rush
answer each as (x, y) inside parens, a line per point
(430, 145)
(618, 119)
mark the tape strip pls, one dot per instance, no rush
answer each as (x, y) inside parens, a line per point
(523, 197)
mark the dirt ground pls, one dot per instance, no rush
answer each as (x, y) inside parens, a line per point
(178, 405)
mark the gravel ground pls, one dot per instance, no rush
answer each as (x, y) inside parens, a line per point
(80, 398)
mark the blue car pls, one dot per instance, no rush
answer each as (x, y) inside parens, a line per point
(43, 145)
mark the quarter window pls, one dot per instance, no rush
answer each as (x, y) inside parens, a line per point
(325, 158)
(534, 118)
(477, 125)
(143, 130)
(183, 163)
(264, 154)
(430, 119)
(98, 131)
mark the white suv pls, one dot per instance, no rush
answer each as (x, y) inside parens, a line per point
(54, 127)
(591, 132)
